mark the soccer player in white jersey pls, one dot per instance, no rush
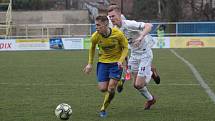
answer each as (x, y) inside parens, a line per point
(141, 54)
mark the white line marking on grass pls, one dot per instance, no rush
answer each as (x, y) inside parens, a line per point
(198, 76)
(175, 84)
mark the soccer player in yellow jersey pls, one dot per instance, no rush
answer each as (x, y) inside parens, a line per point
(113, 48)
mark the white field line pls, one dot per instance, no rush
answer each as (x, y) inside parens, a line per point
(197, 76)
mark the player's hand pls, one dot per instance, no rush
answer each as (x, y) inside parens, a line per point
(88, 69)
(137, 42)
(120, 65)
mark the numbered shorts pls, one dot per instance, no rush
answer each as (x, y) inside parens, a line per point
(107, 71)
(142, 66)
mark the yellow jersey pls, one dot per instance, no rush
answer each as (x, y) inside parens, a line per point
(113, 48)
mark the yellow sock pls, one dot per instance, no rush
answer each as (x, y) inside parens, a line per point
(108, 97)
(120, 82)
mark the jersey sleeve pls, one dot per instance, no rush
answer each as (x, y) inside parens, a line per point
(92, 48)
(131, 24)
(123, 17)
(124, 44)
(110, 23)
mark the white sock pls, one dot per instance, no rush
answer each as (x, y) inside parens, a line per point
(144, 91)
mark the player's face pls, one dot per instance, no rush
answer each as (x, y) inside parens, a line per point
(114, 17)
(101, 27)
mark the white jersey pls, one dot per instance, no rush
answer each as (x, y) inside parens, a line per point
(141, 56)
(131, 29)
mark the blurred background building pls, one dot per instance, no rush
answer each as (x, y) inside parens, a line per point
(26, 17)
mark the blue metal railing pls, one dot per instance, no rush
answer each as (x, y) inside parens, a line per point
(187, 28)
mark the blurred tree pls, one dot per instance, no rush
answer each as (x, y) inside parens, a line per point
(162, 10)
(201, 9)
(171, 10)
(174, 10)
(145, 10)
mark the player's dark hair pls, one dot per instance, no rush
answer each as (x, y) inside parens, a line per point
(102, 18)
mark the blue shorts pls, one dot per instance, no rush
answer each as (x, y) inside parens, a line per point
(107, 71)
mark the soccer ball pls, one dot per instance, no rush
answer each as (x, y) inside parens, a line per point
(63, 111)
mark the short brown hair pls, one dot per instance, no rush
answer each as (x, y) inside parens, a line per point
(102, 18)
(114, 8)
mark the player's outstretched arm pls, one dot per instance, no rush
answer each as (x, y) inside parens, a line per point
(146, 30)
(89, 66)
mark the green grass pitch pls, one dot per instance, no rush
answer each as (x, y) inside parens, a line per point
(33, 83)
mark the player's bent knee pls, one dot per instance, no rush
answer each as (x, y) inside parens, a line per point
(135, 86)
(138, 86)
(102, 89)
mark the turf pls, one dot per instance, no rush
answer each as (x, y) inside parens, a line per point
(33, 83)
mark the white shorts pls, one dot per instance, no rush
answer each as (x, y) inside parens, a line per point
(141, 65)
